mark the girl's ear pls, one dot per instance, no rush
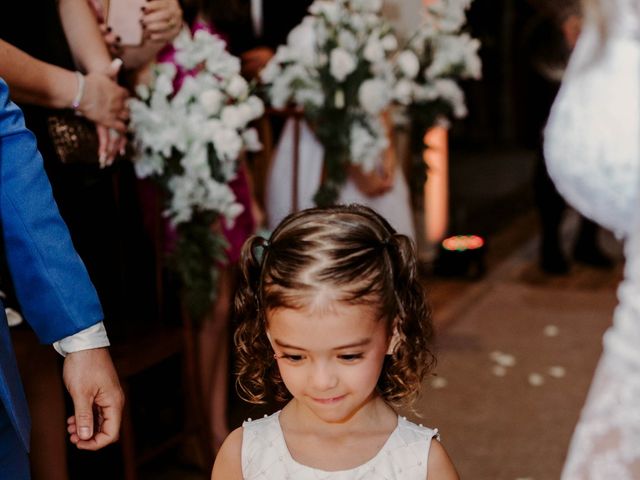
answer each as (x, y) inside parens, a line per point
(270, 341)
(395, 339)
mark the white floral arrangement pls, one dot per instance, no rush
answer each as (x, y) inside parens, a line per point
(189, 140)
(437, 56)
(337, 68)
(429, 68)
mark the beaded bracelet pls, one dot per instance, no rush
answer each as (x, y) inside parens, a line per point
(80, 92)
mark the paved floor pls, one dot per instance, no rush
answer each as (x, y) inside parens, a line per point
(516, 354)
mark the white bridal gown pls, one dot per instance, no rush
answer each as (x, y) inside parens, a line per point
(592, 146)
(394, 205)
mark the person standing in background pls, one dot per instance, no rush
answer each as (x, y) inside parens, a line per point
(549, 38)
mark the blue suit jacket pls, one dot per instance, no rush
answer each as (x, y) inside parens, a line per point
(52, 285)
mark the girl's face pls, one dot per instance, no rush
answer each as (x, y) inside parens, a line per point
(329, 357)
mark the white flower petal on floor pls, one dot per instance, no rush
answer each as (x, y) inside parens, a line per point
(439, 382)
(557, 371)
(499, 370)
(535, 379)
(551, 331)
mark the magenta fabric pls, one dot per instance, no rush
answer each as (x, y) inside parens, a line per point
(244, 224)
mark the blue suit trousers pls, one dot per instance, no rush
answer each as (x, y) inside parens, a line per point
(14, 462)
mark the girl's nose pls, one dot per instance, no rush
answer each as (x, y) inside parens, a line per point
(323, 377)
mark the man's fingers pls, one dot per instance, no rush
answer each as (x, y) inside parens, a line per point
(83, 413)
(107, 433)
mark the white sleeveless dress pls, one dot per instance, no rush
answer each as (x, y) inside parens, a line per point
(394, 205)
(265, 455)
(592, 147)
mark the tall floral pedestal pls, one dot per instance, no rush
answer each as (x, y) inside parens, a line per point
(431, 207)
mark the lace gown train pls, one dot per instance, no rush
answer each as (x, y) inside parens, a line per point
(592, 147)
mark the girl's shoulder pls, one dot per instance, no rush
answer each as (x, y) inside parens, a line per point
(242, 445)
(228, 463)
(439, 465)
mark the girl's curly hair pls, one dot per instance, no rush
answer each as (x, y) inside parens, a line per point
(359, 256)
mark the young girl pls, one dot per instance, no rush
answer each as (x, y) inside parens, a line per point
(332, 317)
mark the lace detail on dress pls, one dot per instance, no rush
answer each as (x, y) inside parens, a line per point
(592, 143)
(606, 443)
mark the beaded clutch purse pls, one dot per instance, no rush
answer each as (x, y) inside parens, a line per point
(74, 138)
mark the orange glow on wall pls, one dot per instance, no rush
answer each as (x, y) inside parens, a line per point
(436, 189)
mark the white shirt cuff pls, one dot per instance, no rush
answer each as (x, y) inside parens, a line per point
(93, 337)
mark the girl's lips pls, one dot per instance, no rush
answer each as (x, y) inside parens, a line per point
(328, 401)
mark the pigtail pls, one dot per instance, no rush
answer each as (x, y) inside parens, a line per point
(411, 359)
(254, 354)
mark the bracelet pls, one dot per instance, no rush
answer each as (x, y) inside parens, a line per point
(80, 92)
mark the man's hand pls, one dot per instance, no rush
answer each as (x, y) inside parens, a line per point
(104, 101)
(91, 379)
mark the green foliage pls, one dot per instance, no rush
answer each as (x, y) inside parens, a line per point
(199, 253)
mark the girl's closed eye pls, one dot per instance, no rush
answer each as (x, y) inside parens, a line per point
(293, 358)
(350, 357)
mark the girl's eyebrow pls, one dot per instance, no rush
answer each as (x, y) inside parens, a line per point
(360, 343)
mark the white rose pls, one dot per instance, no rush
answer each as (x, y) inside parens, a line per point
(209, 129)
(347, 41)
(373, 96)
(452, 93)
(251, 140)
(389, 42)
(245, 113)
(367, 144)
(271, 71)
(232, 117)
(227, 143)
(341, 64)
(329, 9)
(142, 91)
(237, 87)
(211, 101)
(302, 41)
(257, 107)
(409, 64)
(367, 5)
(373, 51)
(403, 91)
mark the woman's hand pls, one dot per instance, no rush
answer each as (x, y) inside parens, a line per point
(161, 20)
(111, 144)
(111, 40)
(255, 60)
(379, 180)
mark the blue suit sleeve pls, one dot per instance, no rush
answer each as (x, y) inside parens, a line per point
(51, 282)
